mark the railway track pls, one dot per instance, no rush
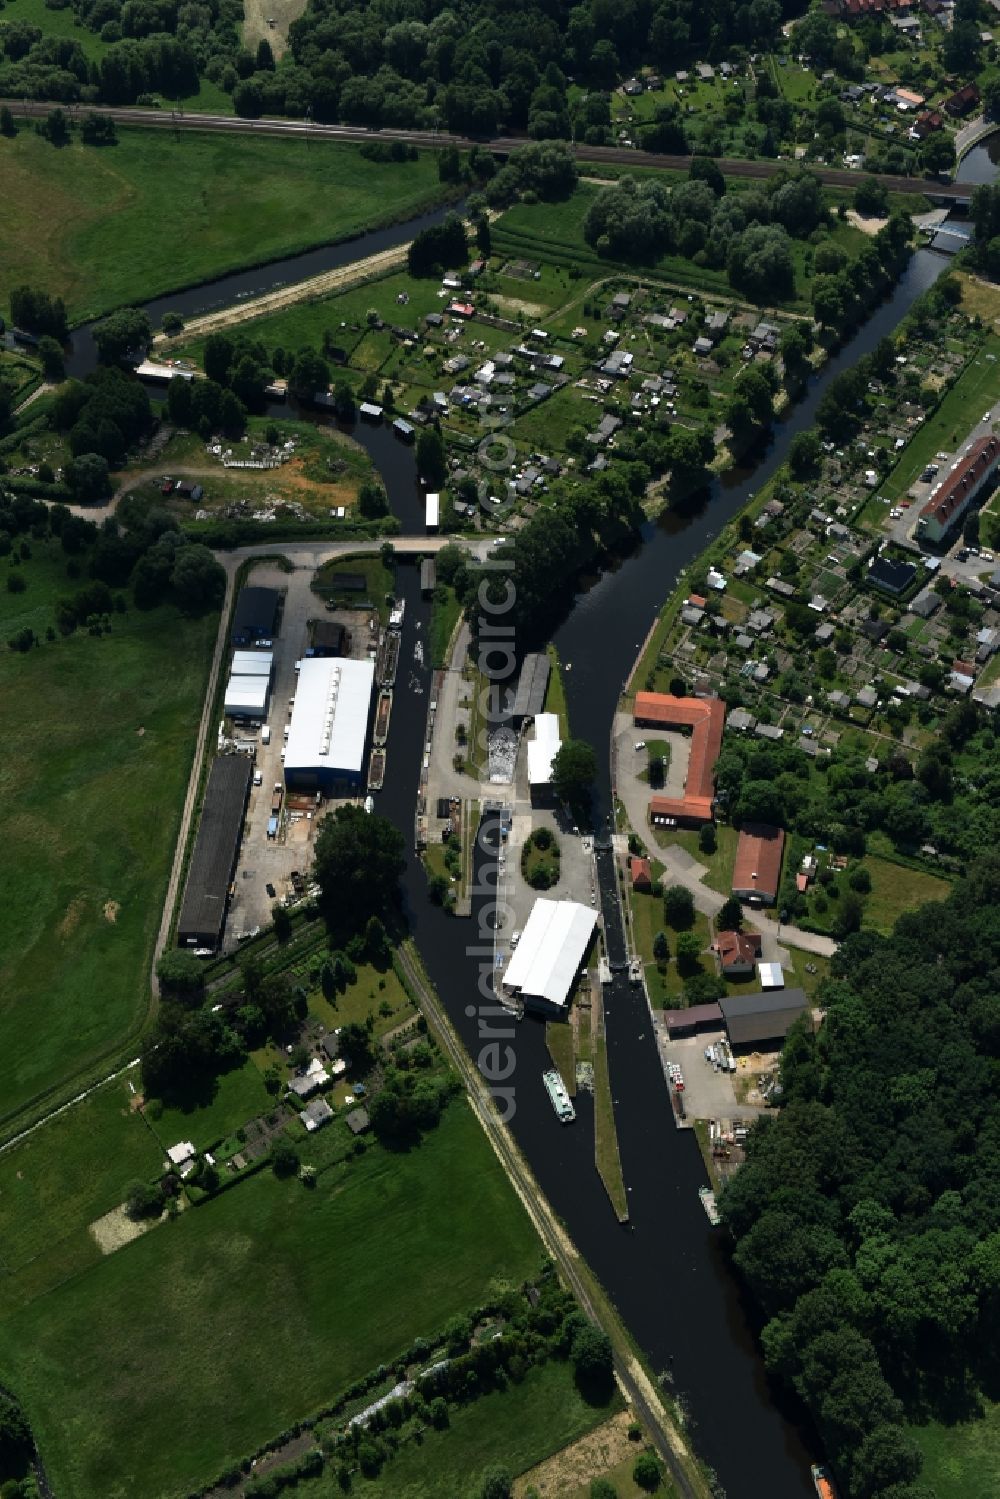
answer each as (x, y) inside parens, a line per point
(178, 119)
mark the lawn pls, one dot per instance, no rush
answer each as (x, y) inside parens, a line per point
(99, 734)
(720, 864)
(247, 1313)
(237, 1097)
(561, 1043)
(445, 610)
(379, 581)
(896, 889)
(962, 1462)
(515, 1428)
(976, 388)
(606, 1156)
(344, 315)
(555, 693)
(106, 227)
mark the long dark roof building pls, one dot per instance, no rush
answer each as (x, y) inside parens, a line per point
(758, 1019)
(203, 913)
(529, 700)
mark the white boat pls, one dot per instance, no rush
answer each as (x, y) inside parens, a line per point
(558, 1096)
(708, 1203)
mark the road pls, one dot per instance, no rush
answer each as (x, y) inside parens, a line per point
(632, 1378)
(174, 119)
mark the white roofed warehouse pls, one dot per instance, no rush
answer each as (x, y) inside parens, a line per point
(550, 954)
(329, 728)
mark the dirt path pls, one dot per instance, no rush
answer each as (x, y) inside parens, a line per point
(257, 18)
(40, 390)
(286, 296)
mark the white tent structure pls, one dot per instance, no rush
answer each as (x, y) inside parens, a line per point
(542, 749)
(252, 663)
(246, 697)
(549, 954)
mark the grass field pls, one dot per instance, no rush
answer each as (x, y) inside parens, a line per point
(98, 738)
(69, 1172)
(516, 1428)
(238, 1096)
(976, 388)
(555, 693)
(606, 1157)
(896, 889)
(153, 214)
(178, 1354)
(445, 612)
(962, 1462)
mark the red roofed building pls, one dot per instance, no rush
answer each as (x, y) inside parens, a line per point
(705, 717)
(738, 953)
(758, 863)
(461, 309)
(961, 485)
(963, 102)
(641, 874)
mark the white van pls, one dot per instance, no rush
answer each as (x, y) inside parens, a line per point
(265, 734)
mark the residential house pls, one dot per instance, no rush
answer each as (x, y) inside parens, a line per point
(738, 953)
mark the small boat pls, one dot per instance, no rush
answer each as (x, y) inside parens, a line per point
(396, 615)
(823, 1481)
(558, 1097)
(708, 1203)
(418, 653)
(376, 770)
(382, 713)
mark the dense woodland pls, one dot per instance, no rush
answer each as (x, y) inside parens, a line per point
(867, 1216)
(474, 68)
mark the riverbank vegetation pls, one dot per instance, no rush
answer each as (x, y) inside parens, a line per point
(154, 213)
(878, 1276)
(107, 675)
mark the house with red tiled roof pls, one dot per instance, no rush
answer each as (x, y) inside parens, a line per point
(640, 874)
(757, 871)
(738, 953)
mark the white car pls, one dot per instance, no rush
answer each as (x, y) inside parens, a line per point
(640, 744)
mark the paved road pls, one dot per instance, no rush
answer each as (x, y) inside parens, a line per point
(171, 119)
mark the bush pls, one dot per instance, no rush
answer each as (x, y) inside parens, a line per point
(678, 907)
(646, 1472)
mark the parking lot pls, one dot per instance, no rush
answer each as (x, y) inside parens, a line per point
(264, 861)
(708, 1091)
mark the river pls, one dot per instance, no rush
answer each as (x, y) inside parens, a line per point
(665, 1271)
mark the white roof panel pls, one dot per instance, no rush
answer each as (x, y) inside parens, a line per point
(770, 975)
(550, 951)
(542, 749)
(330, 717)
(252, 663)
(246, 695)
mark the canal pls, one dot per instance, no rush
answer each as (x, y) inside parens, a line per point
(665, 1271)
